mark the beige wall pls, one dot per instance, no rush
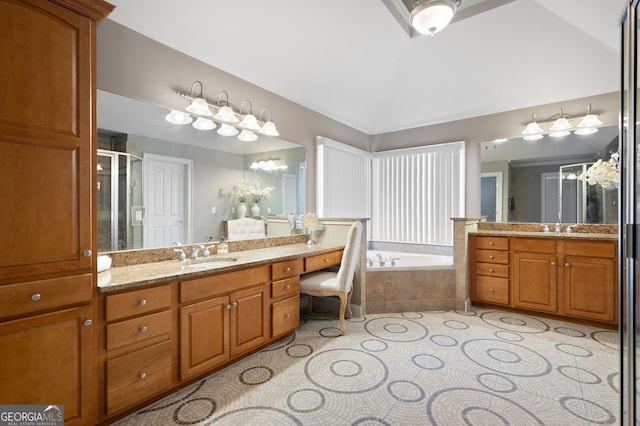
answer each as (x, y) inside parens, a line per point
(132, 65)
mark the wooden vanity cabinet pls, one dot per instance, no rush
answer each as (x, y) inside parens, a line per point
(534, 282)
(490, 270)
(222, 316)
(285, 296)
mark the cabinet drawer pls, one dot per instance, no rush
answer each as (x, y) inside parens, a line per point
(136, 376)
(493, 243)
(137, 329)
(286, 315)
(30, 297)
(493, 270)
(492, 256)
(137, 302)
(493, 290)
(287, 269)
(288, 287)
(321, 261)
(591, 248)
(534, 245)
(216, 285)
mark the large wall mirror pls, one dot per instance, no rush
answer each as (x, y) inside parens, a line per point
(160, 183)
(537, 181)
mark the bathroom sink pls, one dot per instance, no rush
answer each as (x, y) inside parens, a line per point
(212, 263)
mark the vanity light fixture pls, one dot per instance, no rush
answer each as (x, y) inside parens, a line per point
(533, 131)
(589, 124)
(268, 128)
(560, 127)
(432, 16)
(226, 130)
(202, 123)
(178, 117)
(225, 113)
(199, 105)
(268, 165)
(249, 121)
(247, 136)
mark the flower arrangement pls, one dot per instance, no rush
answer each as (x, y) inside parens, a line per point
(243, 192)
(604, 173)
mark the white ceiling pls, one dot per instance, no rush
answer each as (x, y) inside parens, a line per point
(352, 61)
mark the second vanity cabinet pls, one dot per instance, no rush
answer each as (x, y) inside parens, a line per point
(565, 277)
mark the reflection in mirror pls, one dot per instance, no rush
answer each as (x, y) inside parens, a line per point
(527, 181)
(160, 183)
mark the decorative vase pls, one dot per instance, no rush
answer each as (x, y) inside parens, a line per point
(242, 210)
(255, 209)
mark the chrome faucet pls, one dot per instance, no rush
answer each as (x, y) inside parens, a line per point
(557, 228)
(545, 228)
(183, 255)
(570, 228)
(195, 251)
(206, 252)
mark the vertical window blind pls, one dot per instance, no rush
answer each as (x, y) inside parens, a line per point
(416, 192)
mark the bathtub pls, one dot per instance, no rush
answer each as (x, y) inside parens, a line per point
(380, 260)
(416, 282)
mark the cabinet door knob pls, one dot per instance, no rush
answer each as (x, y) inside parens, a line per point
(142, 302)
(553, 263)
(490, 256)
(87, 322)
(143, 329)
(287, 316)
(87, 253)
(36, 296)
(227, 307)
(235, 304)
(287, 287)
(287, 269)
(491, 243)
(567, 264)
(491, 290)
(143, 376)
(491, 270)
(327, 260)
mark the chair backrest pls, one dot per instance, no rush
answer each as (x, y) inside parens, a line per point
(245, 228)
(350, 257)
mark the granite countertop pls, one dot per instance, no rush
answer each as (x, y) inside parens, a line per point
(540, 234)
(125, 277)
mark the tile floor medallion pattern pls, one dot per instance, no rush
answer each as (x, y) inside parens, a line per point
(482, 367)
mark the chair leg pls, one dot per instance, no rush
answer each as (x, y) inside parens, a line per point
(349, 313)
(309, 302)
(343, 307)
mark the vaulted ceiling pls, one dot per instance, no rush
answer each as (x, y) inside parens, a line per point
(355, 61)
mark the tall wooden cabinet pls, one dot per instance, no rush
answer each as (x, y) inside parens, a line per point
(47, 175)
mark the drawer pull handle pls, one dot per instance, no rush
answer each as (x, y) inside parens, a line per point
(235, 304)
(87, 322)
(143, 329)
(287, 287)
(287, 316)
(287, 269)
(567, 264)
(143, 376)
(327, 260)
(491, 270)
(491, 243)
(490, 256)
(142, 302)
(36, 296)
(491, 290)
(553, 263)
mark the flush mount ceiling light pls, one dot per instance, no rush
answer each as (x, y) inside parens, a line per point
(560, 127)
(589, 124)
(199, 105)
(533, 131)
(432, 16)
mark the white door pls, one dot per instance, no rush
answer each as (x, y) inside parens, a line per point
(168, 200)
(289, 191)
(549, 198)
(491, 196)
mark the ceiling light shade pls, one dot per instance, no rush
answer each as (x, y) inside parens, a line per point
(203, 124)
(199, 106)
(247, 136)
(432, 16)
(226, 130)
(560, 127)
(178, 117)
(225, 113)
(533, 131)
(582, 131)
(589, 123)
(249, 122)
(269, 129)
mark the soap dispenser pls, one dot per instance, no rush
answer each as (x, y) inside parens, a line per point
(223, 247)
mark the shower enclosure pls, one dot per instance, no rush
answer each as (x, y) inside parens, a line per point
(120, 202)
(584, 203)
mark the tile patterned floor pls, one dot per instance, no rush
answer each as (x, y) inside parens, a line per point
(482, 367)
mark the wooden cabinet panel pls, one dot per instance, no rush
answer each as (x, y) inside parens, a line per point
(138, 329)
(249, 324)
(204, 336)
(288, 287)
(136, 376)
(285, 316)
(590, 248)
(590, 288)
(37, 296)
(137, 302)
(492, 243)
(495, 270)
(492, 256)
(492, 290)
(287, 269)
(534, 245)
(216, 285)
(534, 281)
(322, 261)
(47, 358)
